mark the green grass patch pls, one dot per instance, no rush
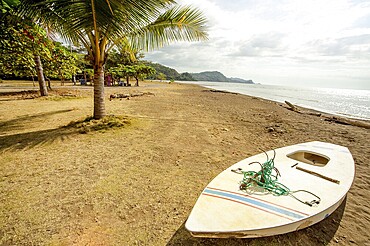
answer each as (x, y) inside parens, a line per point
(109, 122)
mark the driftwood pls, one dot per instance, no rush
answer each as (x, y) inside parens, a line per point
(112, 96)
(118, 96)
(345, 121)
(219, 91)
(335, 119)
(292, 107)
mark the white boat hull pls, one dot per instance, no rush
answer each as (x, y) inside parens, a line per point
(224, 211)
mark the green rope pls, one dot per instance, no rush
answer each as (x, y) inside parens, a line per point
(267, 178)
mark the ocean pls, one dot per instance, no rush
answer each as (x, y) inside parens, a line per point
(344, 102)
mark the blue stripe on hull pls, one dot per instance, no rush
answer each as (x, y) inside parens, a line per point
(256, 203)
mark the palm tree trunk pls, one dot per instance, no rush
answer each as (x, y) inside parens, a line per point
(40, 76)
(99, 104)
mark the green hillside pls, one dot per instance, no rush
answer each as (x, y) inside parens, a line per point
(210, 76)
(164, 72)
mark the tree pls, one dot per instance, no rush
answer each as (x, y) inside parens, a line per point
(25, 47)
(141, 71)
(101, 25)
(83, 64)
(62, 63)
(22, 43)
(116, 73)
(127, 71)
(123, 57)
(128, 60)
(161, 76)
(16, 50)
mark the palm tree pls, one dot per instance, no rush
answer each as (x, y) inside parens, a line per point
(100, 25)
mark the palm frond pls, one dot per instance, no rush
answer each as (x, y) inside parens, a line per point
(176, 24)
(146, 24)
(113, 17)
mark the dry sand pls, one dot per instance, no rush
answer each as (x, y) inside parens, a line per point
(137, 185)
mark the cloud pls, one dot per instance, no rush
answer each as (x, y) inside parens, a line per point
(203, 56)
(357, 46)
(362, 22)
(266, 44)
(267, 40)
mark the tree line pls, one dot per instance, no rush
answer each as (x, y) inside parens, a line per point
(20, 40)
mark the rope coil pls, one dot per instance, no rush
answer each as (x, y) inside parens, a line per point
(267, 179)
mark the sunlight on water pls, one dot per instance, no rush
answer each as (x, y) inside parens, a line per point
(345, 102)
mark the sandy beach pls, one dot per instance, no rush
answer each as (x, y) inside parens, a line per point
(136, 185)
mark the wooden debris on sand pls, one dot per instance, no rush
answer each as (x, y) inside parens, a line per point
(346, 121)
(220, 91)
(128, 95)
(330, 118)
(292, 107)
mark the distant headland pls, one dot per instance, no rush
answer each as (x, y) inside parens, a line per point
(164, 72)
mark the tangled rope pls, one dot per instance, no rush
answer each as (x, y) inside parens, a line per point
(267, 178)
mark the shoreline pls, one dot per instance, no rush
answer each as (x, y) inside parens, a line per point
(136, 185)
(336, 118)
(354, 117)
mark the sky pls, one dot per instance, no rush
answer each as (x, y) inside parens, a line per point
(311, 43)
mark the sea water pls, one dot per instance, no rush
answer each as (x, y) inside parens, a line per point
(345, 102)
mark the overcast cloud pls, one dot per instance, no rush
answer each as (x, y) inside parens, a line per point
(291, 42)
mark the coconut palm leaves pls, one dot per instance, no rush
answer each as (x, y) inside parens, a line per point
(101, 25)
(7, 5)
(176, 24)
